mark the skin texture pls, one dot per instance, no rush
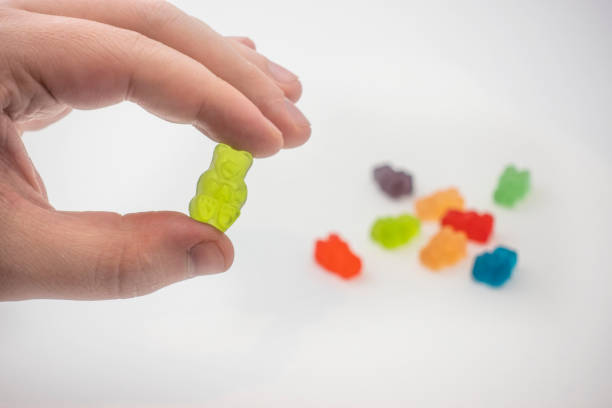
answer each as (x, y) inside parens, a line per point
(59, 55)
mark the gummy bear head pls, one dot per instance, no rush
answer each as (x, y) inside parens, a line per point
(515, 177)
(231, 164)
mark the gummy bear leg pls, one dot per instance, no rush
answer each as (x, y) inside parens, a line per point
(203, 208)
(227, 215)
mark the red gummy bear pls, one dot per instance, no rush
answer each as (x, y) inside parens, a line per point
(477, 227)
(335, 255)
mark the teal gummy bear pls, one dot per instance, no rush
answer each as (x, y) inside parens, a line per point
(392, 232)
(494, 268)
(221, 190)
(513, 186)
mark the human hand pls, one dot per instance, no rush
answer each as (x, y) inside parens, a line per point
(85, 54)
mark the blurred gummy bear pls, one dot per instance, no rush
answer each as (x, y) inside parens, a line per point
(477, 227)
(334, 255)
(513, 186)
(446, 248)
(435, 206)
(395, 183)
(221, 190)
(494, 268)
(392, 232)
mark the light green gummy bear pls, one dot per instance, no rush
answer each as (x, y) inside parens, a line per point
(513, 186)
(392, 232)
(221, 190)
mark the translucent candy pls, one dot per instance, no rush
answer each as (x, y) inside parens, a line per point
(446, 248)
(494, 268)
(433, 207)
(335, 256)
(513, 186)
(221, 190)
(478, 227)
(394, 183)
(392, 232)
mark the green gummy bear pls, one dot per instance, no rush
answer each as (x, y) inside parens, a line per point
(513, 186)
(392, 232)
(221, 190)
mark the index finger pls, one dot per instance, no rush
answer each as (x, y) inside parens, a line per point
(86, 65)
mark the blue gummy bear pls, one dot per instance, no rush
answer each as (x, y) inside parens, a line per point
(494, 268)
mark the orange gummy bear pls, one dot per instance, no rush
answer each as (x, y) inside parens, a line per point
(335, 255)
(446, 248)
(433, 207)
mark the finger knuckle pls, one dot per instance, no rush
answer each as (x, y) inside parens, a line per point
(265, 90)
(272, 98)
(258, 60)
(158, 14)
(124, 270)
(252, 71)
(136, 44)
(139, 50)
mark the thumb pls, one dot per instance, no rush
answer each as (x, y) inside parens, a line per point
(100, 255)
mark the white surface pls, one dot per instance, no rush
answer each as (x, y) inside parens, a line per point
(451, 92)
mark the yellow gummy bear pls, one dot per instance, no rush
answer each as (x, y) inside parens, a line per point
(435, 206)
(221, 190)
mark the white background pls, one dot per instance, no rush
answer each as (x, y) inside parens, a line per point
(451, 91)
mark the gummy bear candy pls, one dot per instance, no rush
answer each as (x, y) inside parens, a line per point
(494, 268)
(433, 207)
(513, 186)
(335, 255)
(391, 232)
(446, 248)
(395, 183)
(478, 227)
(221, 190)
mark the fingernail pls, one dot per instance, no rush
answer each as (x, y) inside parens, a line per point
(281, 74)
(206, 258)
(298, 117)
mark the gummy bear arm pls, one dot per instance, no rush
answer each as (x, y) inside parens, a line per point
(209, 181)
(240, 195)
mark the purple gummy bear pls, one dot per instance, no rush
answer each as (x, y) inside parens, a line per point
(395, 183)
